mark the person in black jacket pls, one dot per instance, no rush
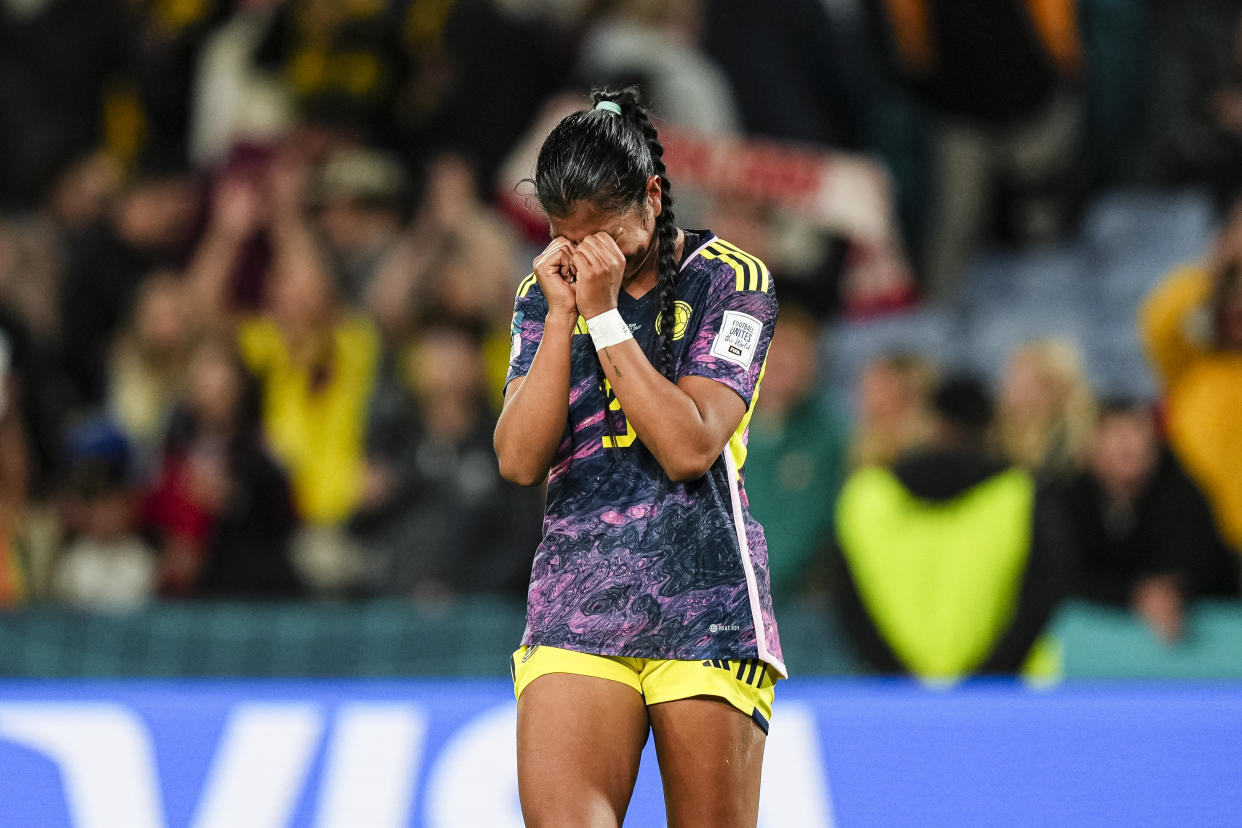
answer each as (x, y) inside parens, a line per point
(948, 564)
(1145, 533)
(1000, 86)
(222, 507)
(437, 518)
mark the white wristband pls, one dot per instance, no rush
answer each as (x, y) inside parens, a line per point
(608, 329)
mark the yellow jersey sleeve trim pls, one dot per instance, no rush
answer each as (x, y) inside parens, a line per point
(751, 273)
(764, 275)
(737, 441)
(526, 284)
(737, 268)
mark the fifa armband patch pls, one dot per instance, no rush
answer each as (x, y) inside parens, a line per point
(738, 338)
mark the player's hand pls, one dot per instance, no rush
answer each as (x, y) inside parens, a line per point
(600, 266)
(554, 270)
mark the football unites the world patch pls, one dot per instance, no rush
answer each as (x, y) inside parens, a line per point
(737, 338)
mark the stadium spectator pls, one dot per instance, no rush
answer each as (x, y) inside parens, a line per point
(234, 100)
(31, 430)
(30, 275)
(1193, 132)
(436, 515)
(948, 564)
(796, 457)
(169, 36)
(147, 365)
(14, 481)
(357, 198)
(106, 564)
(66, 84)
(1047, 408)
(27, 376)
(221, 506)
(456, 255)
(1001, 82)
(316, 360)
(892, 414)
(536, 43)
(34, 248)
(1192, 329)
(150, 226)
(1144, 533)
(77, 191)
(342, 60)
(792, 67)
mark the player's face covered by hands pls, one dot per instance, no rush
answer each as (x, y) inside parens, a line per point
(554, 269)
(609, 249)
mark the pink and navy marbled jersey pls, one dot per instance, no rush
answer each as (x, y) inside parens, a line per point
(632, 564)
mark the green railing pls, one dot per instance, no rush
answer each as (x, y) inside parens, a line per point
(1097, 642)
(475, 638)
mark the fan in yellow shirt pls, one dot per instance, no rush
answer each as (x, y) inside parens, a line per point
(1192, 330)
(315, 408)
(316, 360)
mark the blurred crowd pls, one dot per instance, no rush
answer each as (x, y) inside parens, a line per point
(257, 261)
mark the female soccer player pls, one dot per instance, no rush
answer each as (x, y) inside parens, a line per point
(637, 353)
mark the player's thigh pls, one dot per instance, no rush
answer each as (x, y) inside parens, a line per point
(711, 758)
(579, 741)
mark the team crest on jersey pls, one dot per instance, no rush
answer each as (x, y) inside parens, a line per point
(737, 338)
(681, 319)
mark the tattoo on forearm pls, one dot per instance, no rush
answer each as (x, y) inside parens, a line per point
(616, 369)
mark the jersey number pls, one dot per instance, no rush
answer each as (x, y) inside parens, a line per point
(621, 440)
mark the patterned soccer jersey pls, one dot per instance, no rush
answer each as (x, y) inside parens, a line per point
(632, 564)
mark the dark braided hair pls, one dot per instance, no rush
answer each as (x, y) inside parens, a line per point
(604, 159)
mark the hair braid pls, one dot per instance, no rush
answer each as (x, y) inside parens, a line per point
(605, 158)
(666, 235)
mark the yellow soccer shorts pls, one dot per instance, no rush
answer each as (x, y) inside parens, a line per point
(748, 684)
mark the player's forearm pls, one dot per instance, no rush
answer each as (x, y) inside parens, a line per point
(685, 439)
(535, 412)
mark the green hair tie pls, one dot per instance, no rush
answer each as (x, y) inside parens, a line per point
(610, 106)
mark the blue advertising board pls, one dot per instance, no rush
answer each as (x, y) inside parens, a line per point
(373, 754)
